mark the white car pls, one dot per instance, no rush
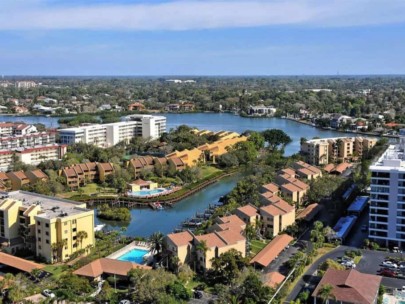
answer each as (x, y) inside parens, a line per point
(389, 264)
(49, 294)
(125, 302)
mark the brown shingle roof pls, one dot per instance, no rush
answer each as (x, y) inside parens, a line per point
(39, 173)
(106, 166)
(279, 207)
(19, 174)
(18, 263)
(108, 266)
(351, 286)
(342, 167)
(272, 250)
(181, 238)
(3, 176)
(288, 171)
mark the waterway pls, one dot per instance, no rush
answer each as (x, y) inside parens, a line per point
(146, 221)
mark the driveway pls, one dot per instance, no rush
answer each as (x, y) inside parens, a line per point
(279, 263)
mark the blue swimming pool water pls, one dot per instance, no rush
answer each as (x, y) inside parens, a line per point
(146, 192)
(135, 255)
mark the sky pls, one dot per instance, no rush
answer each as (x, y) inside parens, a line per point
(202, 37)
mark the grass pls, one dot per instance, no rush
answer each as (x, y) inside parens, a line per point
(88, 190)
(256, 246)
(56, 270)
(207, 171)
(357, 259)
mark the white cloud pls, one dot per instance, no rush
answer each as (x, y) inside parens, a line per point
(191, 15)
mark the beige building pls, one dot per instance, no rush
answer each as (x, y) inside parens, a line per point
(248, 213)
(326, 150)
(276, 216)
(292, 188)
(52, 228)
(305, 170)
(180, 244)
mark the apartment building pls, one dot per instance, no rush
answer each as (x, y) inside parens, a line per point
(15, 129)
(108, 135)
(292, 187)
(31, 156)
(225, 235)
(217, 148)
(27, 140)
(276, 215)
(25, 84)
(78, 175)
(326, 150)
(46, 225)
(387, 196)
(158, 164)
(190, 158)
(306, 171)
(248, 213)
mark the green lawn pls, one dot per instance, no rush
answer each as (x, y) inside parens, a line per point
(89, 189)
(207, 171)
(357, 259)
(256, 246)
(56, 270)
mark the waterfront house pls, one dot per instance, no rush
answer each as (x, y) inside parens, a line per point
(231, 222)
(180, 245)
(248, 213)
(190, 158)
(141, 163)
(348, 286)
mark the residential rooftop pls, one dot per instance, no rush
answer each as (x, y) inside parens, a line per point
(51, 207)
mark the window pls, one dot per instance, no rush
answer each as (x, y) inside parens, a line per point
(39, 247)
(38, 223)
(39, 239)
(66, 231)
(74, 238)
(47, 241)
(46, 233)
(39, 230)
(65, 223)
(74, 229)
(47, 225)
(74, 245)
(73, 221)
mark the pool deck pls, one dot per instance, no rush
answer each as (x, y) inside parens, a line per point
(128, 248)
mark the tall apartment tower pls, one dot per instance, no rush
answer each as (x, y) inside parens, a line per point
(387, 201)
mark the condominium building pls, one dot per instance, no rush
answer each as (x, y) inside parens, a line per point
(25, 84)
(31, 156)
(11, 129)
(27, 140)
(387, 199)
(326, 150)
(46, 225)
(108, 135)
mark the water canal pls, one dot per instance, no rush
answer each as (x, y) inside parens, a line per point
(146, 221)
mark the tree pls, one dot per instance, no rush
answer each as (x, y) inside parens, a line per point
(276, 138)
(203, 248)
(178, 291)
(253, 291)
(81, 235)
(326, 292)
(257, 139)
(227, 266)
(156, 240)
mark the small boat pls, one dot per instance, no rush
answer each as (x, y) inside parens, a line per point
(158, 206)
(99, 227)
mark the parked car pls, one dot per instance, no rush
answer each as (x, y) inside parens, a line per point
(49, 294)
(387, 273)
(125, 302)
(389, 264)
(396, 249)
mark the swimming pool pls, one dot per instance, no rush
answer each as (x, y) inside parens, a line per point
(135, 255)
(147, 192)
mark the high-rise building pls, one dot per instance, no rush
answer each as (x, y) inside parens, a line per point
(387, 200)
(108, 135)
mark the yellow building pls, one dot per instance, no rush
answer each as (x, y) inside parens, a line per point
(190, 158)
(220, 147)
(140, 184)
(52, 228)
(277, 216)
(180, 245)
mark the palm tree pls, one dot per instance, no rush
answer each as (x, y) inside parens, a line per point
(88, 248)
(156, 240)
(202, 247)
(326, 292)
(60, 245)
(54, 248)
(81, 235)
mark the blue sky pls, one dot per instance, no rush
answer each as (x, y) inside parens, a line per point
(210, 37)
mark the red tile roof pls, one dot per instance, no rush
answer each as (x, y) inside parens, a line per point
(351, 286)
(248, 210)
(329, 167)
(181, 238)
(309, 212)
(272, 187)
(211, 239)
(272, 250)
(273, 279)
(108, 266)
(342, 167)
(18, 263)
